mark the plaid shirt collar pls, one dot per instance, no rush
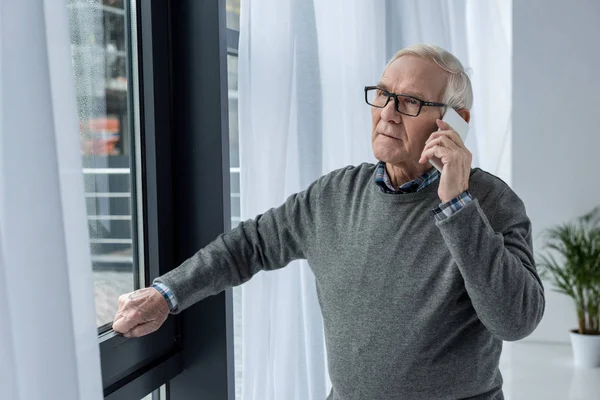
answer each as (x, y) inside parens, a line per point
(383, 181)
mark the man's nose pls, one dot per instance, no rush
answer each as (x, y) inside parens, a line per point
(389, 113)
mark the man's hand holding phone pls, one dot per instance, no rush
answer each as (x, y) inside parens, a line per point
(446, 150)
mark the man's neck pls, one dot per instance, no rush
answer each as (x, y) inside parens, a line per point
(401, 174)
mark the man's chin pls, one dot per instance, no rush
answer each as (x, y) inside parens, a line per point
(383, 153)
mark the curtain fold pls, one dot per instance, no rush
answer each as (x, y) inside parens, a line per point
(302, 69)
(48, 333)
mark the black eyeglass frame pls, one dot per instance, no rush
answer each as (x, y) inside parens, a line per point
(396, 102)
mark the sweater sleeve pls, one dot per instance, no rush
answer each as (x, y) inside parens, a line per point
(497, 264)
(269, 241)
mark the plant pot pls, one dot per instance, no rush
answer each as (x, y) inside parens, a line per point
(586, 350)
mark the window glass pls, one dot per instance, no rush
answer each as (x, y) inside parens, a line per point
(233, 14)
(233, 24)
(102, 61)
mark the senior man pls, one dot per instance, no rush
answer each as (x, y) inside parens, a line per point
(420, 275)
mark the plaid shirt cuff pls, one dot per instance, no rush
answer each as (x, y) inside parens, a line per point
(167, 294)
(453, 206)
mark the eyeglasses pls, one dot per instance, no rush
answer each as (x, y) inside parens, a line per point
(407, 105)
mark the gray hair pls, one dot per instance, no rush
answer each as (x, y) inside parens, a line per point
(458, 93)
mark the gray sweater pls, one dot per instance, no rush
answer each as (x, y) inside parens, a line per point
(413, 308)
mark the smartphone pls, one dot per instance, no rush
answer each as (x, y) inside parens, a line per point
(457, 123)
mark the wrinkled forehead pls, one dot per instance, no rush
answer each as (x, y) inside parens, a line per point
(415, 76)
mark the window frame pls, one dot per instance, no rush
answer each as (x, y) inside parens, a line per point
(132, 368)
(182, 94)
(201, 200)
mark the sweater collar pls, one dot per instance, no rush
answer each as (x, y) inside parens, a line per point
(382, 179)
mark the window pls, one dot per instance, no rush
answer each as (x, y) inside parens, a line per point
(100, 44)
(158, 394)
(120, 174)
(142, 186)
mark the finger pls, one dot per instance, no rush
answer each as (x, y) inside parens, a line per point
(123, 299)
(430, 145)
(437, 151)
(450, 134)
(436, 135)
(125, 305)
(447, 130)
(118, 316)
(443, 141)
(433, 149)
(142, 330)
(127, 322)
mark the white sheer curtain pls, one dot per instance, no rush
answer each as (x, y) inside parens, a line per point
(479, 33)
(48, 337)
(302, 69)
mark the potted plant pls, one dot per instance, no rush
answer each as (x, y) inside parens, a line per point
(572, 264)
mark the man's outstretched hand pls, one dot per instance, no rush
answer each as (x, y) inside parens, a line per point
(140, 312)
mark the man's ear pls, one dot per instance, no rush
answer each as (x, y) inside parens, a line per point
(465, 114)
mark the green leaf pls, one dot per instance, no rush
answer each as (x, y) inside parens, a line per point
(571, 262)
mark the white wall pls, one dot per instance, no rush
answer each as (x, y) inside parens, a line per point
(556, 124)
